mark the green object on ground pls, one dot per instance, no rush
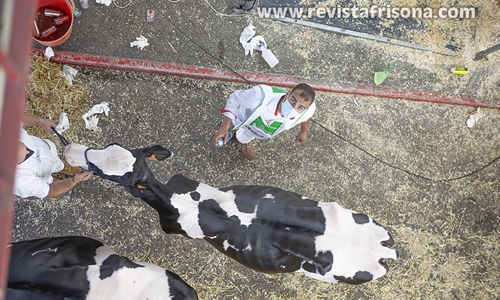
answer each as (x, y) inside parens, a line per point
(379, 77)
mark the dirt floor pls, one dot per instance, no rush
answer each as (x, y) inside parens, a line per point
(416, 168)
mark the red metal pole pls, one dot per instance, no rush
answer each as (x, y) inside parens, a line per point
(172, 69)
(17, 52)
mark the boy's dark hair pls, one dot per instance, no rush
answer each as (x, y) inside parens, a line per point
(306, 92)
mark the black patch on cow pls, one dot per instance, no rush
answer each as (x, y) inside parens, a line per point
(388, 243)
(182, 185)
(113, 263)
(322, 263)
(247, 196)
(309, 267)
(383, 263)
(27, 293)
(359, 277)
(179, 289)
(52, 266)
(195, 196)
(285, 208)
(360, 218)
(267, 245)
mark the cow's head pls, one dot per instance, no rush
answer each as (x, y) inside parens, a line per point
(126, 167)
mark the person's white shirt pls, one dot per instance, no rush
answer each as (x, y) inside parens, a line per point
(241, 104)
(33, 176)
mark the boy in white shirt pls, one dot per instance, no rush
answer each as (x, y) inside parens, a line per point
(264, 111)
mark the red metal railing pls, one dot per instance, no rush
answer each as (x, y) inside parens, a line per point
(14, 61)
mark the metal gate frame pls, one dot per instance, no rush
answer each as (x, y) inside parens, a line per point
(15, 46)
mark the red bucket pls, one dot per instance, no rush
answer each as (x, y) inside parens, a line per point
(66, 7)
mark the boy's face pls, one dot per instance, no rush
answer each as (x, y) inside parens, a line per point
(298, 102)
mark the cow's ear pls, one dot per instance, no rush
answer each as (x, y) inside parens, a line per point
(156, 152)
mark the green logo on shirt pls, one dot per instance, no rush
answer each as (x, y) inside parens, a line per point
(269, 129)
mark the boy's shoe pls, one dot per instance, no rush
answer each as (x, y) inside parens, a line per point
(70, 170)
(248, 151)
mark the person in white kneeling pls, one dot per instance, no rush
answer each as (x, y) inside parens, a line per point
(37, 159)
(264, 111)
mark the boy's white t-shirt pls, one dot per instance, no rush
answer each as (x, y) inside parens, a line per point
(242, 103)
(33, 176)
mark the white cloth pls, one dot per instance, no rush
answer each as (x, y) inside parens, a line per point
(241, 107)
(34, 175)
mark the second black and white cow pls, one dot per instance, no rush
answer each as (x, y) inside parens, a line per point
(75, 267)
(264, 228)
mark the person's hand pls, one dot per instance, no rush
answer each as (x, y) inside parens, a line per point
(222, 132)
(301, 137)
(47, 124)
(82, 176)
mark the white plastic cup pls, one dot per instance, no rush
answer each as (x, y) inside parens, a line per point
(268, 55)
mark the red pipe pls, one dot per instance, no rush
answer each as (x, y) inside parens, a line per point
(137, 65)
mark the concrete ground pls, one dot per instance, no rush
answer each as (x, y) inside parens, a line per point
(414, 167)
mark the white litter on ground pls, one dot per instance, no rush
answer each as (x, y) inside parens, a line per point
(251, 42)
(63, 123)
(49, 52)
(91, 120)
(140, 42)
(105, 2)
(69, 74)
(474, 118)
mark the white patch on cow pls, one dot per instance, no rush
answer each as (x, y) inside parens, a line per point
(248, 247)
(44, 250)
(355, 247)
(74, 154)
(268, 196)
(188, 214)
(226, 246)
(189, 210)
(226, 201)
(149, 282)
(113, 160)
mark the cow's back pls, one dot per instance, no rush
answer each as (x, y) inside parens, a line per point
(82, 268)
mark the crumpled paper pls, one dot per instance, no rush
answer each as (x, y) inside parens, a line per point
(140, 42)
(247, 33)
(48, 52)
(105, 2)
(249, 42)
(91, 120)
(474, 118)
(63, 123)
(69, 74)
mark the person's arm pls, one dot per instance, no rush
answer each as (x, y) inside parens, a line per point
(223, 130)
(302, 135)
(46, 124)
(246, 98)
(60, 187)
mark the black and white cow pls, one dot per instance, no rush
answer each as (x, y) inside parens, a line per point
(264, 228)
(75, 267)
